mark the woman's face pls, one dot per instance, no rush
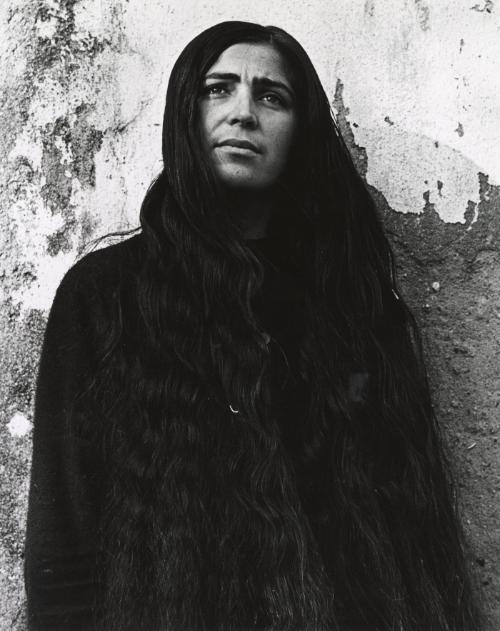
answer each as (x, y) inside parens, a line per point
(248, 115)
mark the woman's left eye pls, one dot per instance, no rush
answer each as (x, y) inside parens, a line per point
(272, 98)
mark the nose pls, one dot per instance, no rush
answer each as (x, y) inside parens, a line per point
(243, 111)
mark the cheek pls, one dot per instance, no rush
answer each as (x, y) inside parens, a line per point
(283, 141)
(206, 121)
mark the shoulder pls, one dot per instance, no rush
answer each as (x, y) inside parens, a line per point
(107, 265)
(102, 271)
(89, 292)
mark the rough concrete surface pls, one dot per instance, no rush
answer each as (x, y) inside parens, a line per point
(416, 91)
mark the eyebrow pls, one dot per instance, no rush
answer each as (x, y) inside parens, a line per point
(259, 81)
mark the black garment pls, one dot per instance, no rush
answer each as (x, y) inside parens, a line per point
(280, 306)
(67, 472)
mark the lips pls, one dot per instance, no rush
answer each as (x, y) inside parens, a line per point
(241, 144)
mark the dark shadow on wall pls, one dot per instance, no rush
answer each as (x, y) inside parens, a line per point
(449, 273)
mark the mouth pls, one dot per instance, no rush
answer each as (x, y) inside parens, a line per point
(239, 144)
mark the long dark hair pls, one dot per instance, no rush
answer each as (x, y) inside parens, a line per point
(208, 524)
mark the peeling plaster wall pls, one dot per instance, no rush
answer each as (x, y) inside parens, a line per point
(416, 91)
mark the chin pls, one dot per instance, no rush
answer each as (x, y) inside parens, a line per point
(243, 180)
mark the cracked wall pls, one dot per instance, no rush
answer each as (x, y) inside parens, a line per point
(416, 91)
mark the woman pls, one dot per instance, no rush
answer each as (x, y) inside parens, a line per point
(233, 425)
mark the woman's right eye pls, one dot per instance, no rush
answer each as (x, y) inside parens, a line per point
(215, 89)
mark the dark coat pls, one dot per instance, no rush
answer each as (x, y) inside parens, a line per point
(68, 471)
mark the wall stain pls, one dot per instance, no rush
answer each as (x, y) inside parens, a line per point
(423, 14)
(420, 233)
(427, 238)
(20, 339)
(69, 148)
(358, 154)
(20, 174)
(70, 142)
(487, 7)
(62, 50)
(55, 165)
(61, 240)
(460, 129)
(369, 8)
(86, 141)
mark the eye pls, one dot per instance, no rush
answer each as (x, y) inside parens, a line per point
(273, 99)
(215, 89)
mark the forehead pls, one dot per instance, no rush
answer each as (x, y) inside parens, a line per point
(252, 60)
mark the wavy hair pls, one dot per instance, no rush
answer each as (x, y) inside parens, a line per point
(208, 522)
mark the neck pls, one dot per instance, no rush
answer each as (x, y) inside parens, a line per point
(252, 212)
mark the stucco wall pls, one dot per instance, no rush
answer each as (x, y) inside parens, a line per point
(417, 93)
